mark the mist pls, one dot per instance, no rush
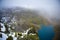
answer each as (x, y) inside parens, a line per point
(47, 8)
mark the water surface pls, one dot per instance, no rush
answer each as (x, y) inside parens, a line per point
(46, 32)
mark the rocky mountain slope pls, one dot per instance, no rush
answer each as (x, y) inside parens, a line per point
(21, 18)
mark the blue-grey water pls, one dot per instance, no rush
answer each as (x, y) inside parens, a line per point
(46, 32)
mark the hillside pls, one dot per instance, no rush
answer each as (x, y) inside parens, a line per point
(21, 18)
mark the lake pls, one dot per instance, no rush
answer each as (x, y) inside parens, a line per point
(46, 32)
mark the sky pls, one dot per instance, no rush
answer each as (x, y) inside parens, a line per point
(50, 6)
(29, 3)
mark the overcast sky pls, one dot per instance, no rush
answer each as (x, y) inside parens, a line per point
(29, 3)
(50, 6)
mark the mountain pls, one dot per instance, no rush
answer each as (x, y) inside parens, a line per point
(23, 18)
(20, 17)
